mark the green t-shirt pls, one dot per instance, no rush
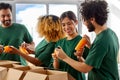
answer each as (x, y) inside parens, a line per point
(14, 36)
(43, 52)
(103, 57)
(69, 48)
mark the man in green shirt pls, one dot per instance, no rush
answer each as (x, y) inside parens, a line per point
(13, 34)
(101, 62)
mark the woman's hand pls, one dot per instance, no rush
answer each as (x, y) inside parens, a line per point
(54, 56)
(55, 60)
(30, 48)
(11, 50)
(60, 53)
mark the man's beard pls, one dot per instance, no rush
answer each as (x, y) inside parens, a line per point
(90, 27)
(6, 22)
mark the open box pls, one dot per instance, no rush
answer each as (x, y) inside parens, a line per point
(3, 73)
(38, 73)
(18, 73)
(13, 74)
(11, 70)
(44, 74)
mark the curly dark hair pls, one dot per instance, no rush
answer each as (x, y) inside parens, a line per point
(5, 6)
(95, 9)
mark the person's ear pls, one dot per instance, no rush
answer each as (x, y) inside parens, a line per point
(92, 20)
(76, 22)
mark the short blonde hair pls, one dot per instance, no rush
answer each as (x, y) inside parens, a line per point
(49, 26)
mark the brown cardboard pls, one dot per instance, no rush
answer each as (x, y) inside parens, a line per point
(13, 74)
(11, 65)
(17, 73)
(7, 63)
(3, 73)
(47, 75)
(3, 62)
(34, 76)
(33, 73)
(24, 69)
(58, 75)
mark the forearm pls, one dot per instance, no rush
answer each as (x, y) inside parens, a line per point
(31, 59)
(80, 66)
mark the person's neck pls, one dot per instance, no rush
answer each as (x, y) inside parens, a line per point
(72, 36)
(99, 29)
(6, 26)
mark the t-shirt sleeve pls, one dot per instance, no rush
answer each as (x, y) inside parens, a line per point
(96, 55)
(27, 37)
(45, 56)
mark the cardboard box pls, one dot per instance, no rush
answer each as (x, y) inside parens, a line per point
(33, 73)
(18, 73)
(3, 73)
(43, 74)
(13, 70)
(13, 74)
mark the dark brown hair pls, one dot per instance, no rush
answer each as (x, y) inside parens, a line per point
(95, 9)
(5, 6)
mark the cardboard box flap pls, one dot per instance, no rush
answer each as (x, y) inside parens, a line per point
(58, 75)
(10, 65)
(17, 65)
(39, 70)
(3, 62)
(34, 76)
(25, 68)
(13, 74)
(3, 73)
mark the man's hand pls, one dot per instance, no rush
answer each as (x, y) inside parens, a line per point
(88, 45)
(1, 48)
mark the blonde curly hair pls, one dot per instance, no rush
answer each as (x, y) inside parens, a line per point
(49, 26)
